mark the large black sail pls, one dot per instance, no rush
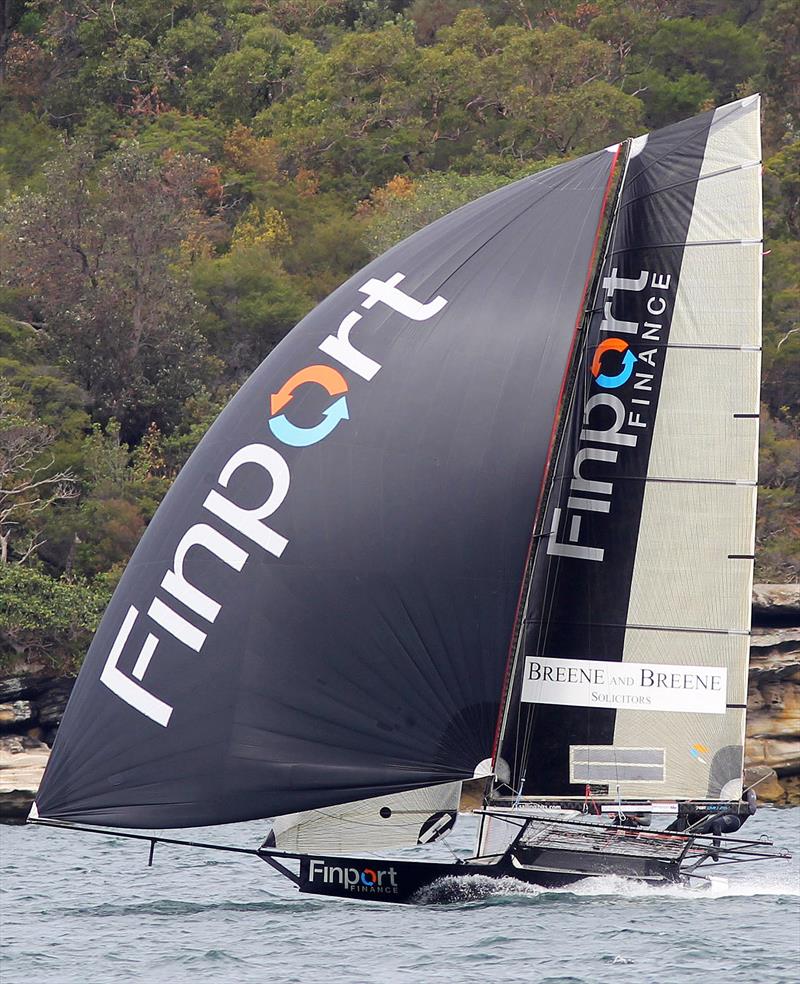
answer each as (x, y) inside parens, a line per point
(321, 609)
(632, 676)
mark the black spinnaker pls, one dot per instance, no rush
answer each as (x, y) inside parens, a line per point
(322, 607)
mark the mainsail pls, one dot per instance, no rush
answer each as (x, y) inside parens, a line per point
(322, 608)
(630, 679)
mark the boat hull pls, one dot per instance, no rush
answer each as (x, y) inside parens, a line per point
(421, 882)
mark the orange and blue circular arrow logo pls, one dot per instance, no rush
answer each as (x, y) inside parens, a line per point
(626, 370)
(333, 383)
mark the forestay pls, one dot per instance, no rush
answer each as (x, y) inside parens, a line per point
(631, 678)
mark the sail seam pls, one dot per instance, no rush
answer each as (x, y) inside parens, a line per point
(691, 481)
(601, 476)
(709, 346)
(713, 348)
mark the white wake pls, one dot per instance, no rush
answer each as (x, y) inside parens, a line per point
(475, 888)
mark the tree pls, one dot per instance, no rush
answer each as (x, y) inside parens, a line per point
(685, 64)
(96, 254)
(250, 304)
(29, 485)
(781, 73)
(46, 618)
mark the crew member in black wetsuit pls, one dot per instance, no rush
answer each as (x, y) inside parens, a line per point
(716, 824)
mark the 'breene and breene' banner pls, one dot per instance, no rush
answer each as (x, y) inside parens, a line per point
(641, 686)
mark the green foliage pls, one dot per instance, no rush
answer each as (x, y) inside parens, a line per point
(778, 526)
(26, 143)
(182, 134)
(200, 412)
(685, 65)
(95, 254)
(523, 93)
(781, 355)
(250, 304)
(781, 36)
(404, 206)
(47, 619)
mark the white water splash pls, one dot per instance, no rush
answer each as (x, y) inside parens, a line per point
(475, 888)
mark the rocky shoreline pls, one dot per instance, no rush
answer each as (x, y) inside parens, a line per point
(32, 702)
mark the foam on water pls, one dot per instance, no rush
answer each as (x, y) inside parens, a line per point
(478, 888)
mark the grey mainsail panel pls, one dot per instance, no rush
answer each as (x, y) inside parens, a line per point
(418, 816)
(632, 677)
(322, 608)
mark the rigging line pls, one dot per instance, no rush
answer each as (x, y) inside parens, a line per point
(576, 332)
(680, 184)
(578, 395)
(572, 425)
(152, 838)
(718, 124)
(560, 429)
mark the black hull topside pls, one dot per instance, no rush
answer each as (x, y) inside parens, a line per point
(430, 882)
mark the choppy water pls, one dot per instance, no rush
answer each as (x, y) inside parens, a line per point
(83, 909)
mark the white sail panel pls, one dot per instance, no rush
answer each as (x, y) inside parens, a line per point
(686, 575)
(718, 305)
(733, 146)
(401, 820)
(701, 433)
(690, 750)
(712, 649)
(721, 212)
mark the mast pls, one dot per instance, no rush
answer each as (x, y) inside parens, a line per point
(632, 668)
(605, 230)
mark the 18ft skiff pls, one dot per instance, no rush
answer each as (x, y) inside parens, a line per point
(482, 523)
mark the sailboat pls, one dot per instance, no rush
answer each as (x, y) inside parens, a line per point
(477, 536)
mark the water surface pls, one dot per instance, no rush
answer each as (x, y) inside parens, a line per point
(84, 909)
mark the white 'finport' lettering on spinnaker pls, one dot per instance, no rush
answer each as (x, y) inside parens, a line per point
(247, 522)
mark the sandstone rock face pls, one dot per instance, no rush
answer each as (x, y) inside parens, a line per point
(17, 713)
(53, 702)
(773, 707)
(22, 763)
(765, 783)
(776, 599)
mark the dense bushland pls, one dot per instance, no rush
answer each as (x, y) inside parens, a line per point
(180, 182)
